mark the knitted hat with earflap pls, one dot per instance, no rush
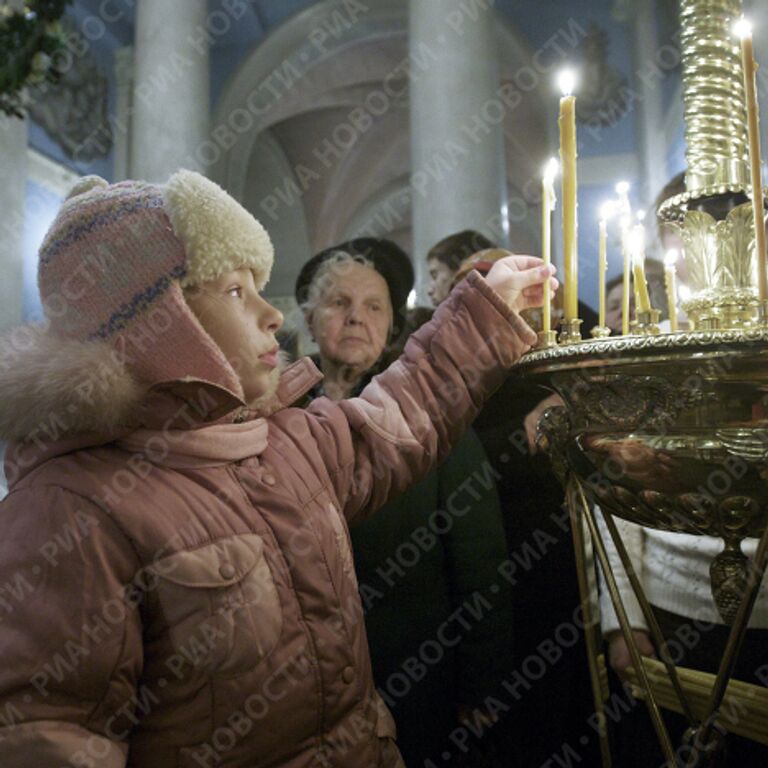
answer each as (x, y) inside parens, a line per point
(111, 272)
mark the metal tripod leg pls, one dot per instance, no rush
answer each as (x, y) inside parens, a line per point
(735, 639)
(618, 604)
(650, 618)
(593, 652)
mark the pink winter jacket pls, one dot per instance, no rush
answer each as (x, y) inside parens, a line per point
(172, 609)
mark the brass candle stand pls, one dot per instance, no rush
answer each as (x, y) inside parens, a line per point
(570, 332)
(638, 439)
(670, 430)
(648, 322)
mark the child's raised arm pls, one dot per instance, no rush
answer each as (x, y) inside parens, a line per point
(410, 416)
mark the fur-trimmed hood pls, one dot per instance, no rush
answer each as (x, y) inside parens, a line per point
(51, 386)
(57, 396)
(111, 272)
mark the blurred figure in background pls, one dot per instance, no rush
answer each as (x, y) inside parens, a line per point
(554, 710)
(445, 258)
(434, 552)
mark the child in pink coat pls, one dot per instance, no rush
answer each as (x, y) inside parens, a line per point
(176, 583)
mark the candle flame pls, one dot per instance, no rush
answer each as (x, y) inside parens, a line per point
(551, 169)
(622, 188)
(566, 81)
(743, 28)
(636, 243)
(671, 257)
(607, 210)
(641, 216)
(684, 292)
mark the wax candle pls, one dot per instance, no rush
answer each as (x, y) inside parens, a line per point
(606, 210)
(622, 189)
(744, 30)
(569, 198)
(643, 300)
(548, 202)
(670, 282)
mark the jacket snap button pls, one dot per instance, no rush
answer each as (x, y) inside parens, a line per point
(227, 571)
(348, 675)
(268, 479)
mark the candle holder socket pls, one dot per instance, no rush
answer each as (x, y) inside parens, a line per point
(570, 331)
(762, 314)
(648, 322)
(547, 339)
(600, 332)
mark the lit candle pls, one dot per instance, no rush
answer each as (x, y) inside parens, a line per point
(548, 202)
(606, 211)
(622, 188)
(637, 247)
(670, 281)
(744, 30)
(640, 216)
(569, 183)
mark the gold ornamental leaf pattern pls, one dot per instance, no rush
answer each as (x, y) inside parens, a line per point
(736, 267)
(698, 234)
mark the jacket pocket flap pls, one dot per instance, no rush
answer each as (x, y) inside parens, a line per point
(385, 723)
(216, 565)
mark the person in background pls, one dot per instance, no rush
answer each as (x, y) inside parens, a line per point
(545, 594)
(445, 257)
(354, 301)
(432, 553)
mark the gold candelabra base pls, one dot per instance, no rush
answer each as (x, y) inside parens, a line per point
(547, 339)
(570, 331)
(648, 322)
(635, 438)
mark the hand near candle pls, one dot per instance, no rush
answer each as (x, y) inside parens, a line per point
(519, 280)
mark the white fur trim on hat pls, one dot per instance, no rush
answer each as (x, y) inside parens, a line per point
(218, 234)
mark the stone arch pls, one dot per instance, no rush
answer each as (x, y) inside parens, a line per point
(301, 85)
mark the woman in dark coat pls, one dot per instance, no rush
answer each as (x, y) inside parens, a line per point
(437, 610)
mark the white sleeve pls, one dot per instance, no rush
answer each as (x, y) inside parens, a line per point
(633, 537)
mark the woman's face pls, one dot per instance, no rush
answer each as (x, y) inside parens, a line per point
(352, 320)
(243, 324)
(440, 281)
(613, 316)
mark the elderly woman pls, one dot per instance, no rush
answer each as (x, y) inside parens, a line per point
(354, 297)
(434, 550)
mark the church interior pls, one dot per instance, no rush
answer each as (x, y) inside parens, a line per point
(597, 135)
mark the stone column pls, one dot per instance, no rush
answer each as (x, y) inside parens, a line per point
(171, 99)
(13, 150)
(457, 142)
(650, 109)
(123, 105)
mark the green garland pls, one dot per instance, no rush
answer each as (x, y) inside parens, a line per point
(29, 41)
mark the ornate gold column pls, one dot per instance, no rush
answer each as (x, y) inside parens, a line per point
(714, 215)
